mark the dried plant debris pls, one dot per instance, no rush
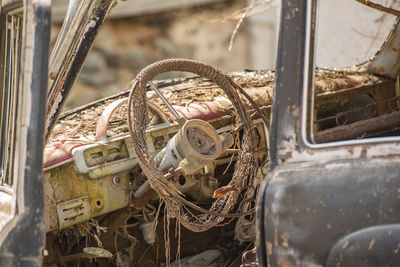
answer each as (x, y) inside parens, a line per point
(186, 91)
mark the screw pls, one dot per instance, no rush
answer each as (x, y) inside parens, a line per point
(116, 179)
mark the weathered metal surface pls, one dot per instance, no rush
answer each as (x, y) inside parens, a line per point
(371, 246)
(201, 99)
(289, 78)
(22, 240)
(71, 181)
(73, 211)
(104, 166)
(63, 184)
(115, 155)
(98, 166)
(309, 207)
(316, 195)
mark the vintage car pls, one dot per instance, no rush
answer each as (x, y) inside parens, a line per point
(119, 177)
(331, 197)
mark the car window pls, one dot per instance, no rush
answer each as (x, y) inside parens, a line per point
(9, 93)
(355, 89)
(348, 33)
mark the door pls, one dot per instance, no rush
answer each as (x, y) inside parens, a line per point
(24, 45)
(331, 196)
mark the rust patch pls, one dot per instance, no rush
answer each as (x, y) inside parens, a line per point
(276, 232)
(284, 263)
(285, 237)
(295, 111)
(222, 191)
(363, 153)
(371, 244)
(269, 248)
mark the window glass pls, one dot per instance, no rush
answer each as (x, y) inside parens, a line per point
(9, 95)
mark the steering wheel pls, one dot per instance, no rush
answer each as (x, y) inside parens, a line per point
(245, 168)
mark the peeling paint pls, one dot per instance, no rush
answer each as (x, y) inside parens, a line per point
(269, 248)
(371, 244)
(284, 263)
(285, 239)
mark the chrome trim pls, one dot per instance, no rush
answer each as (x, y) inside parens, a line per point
(307, 108)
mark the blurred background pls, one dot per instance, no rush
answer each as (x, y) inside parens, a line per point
(231, 35)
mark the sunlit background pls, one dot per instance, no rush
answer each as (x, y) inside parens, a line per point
(139, 32)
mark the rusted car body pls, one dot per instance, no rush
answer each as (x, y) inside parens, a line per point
(329, 201)
(25, 34)
(326, 199)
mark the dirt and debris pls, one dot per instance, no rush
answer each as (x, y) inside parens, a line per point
(186, 91)
(125, 237)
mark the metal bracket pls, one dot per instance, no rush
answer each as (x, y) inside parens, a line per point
(73, 211)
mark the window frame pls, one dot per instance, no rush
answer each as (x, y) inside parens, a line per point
(290, 140)
(27, 194)
(10, 94)
(308, 94)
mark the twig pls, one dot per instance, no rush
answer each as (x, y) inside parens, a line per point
(380, 7)
(244, 15)
(258, 7)
(367, 35)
